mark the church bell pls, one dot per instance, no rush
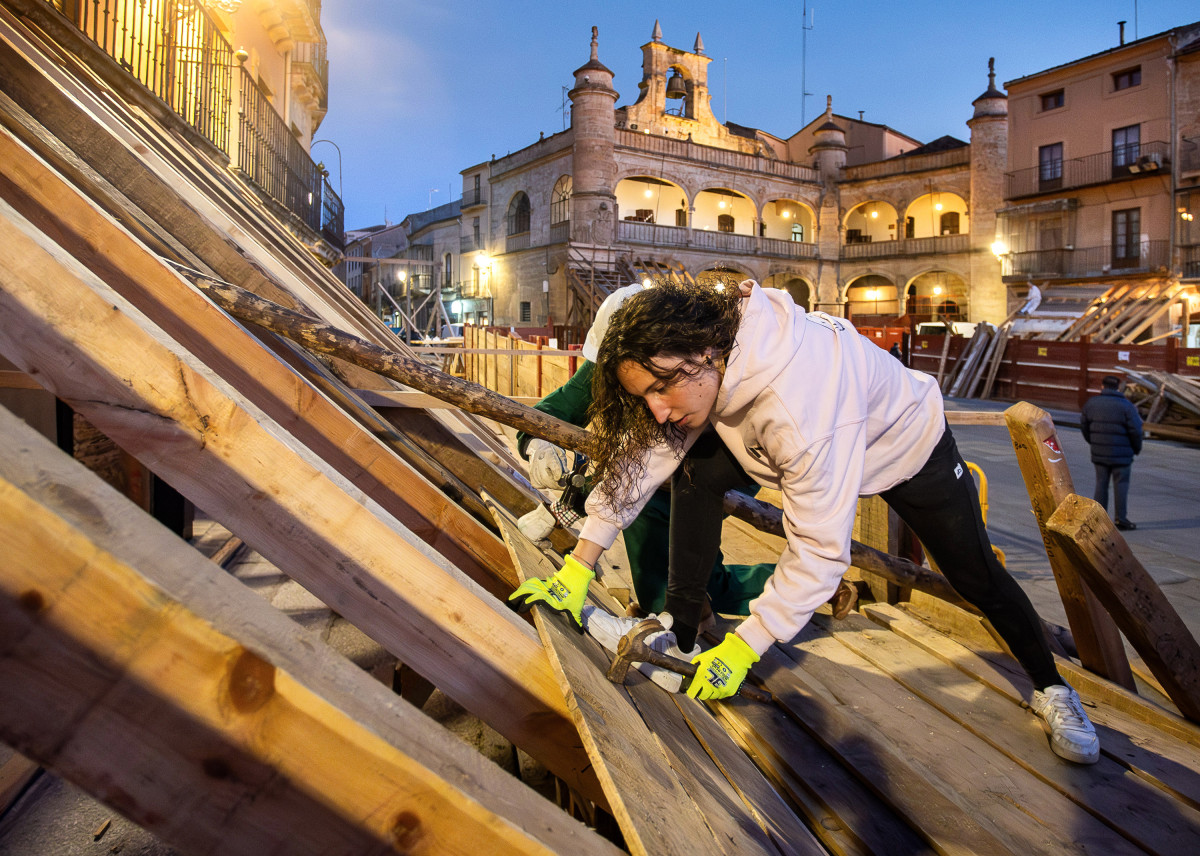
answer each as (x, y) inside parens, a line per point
(676, 87)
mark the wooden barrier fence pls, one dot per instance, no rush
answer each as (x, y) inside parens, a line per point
(524, 373)
(1057, 374)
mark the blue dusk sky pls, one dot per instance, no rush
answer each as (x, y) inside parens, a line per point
(419, 91)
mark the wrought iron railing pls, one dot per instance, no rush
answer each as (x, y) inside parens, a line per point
(1102, 260)
(1189, 259)
(1189, 154)
(1132, 159)
(172, 48)
(467, 243)
(175, 50)
(474, 196)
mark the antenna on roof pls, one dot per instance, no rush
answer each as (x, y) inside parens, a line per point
(807, 21)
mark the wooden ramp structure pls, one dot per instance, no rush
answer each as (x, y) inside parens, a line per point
(141, 671)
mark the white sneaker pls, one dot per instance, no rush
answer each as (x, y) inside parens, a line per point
(607, 629)
(666, 643)
(1071, 733)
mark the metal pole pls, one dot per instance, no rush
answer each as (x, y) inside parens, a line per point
(339, 153)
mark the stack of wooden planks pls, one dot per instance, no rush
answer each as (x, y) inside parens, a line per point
(1126, 311)
(143, 672)
(1169, 403)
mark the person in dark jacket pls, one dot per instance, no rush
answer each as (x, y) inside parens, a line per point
(1113, 429)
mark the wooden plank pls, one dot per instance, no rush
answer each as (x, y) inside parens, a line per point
(848, 818)
(982, 744)
(776, 816)
(228, 349)
(17, 380)
(1130, 739)
(215, 721)
(191, 200)
(974, 417)
(96, 352)
(1048, 481)
(643, 778)
(944, 819)
(1082, 529)
(15, 773)
(380, 398)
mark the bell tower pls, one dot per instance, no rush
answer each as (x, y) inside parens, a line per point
(593, 203)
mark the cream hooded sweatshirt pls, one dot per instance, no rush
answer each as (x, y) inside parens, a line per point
(810, 407)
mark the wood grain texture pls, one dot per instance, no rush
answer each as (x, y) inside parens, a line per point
(649, 778)
(213, 720)
(1082, 529)
(1048, 481)
(96, 352)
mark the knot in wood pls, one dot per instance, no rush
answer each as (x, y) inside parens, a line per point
(251, 682)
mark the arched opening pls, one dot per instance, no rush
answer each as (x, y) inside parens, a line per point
(788, 220)
(680, 94)
(519, 214)
(796, 286)
(721, 210)
(872, 294)
(646, 199)
(560, 200)
(871, 222)
(935, 214)
(936, 293)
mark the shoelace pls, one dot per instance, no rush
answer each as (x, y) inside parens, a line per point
(1068, 710)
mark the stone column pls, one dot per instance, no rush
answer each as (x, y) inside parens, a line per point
(989, 159)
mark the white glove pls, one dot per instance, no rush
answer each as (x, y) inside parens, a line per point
(537, 524)
(547, 464)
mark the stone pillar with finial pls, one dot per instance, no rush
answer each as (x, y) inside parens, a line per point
(829, 153)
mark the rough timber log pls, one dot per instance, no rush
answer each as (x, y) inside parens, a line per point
(1081, 528)
(1048, 482)
(326, 339)
(91, 348)
(143, 673)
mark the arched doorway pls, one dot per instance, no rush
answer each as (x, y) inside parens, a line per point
(872, 294)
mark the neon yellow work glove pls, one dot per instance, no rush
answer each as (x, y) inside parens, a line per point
(720, 671)
(566, 591)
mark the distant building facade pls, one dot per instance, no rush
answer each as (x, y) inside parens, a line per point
(848, 216)
(1103, 178)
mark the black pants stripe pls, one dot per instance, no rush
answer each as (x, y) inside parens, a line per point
(940, 504)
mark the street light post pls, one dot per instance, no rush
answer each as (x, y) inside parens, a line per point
(339, 154)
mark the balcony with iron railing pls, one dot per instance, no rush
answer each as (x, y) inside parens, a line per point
(469, 244)
(175, 50)
(1189, 155)
(688, 151)
(1122, 163)
(1189, 261)
(474, 197)
(933, 245)
(655, 234)
(1103, 260)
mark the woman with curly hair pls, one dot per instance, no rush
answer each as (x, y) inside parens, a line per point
(802, 403)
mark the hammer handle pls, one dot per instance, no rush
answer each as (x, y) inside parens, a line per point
(682, 667)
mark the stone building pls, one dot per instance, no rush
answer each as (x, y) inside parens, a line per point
(1103, 177)
(849, 216)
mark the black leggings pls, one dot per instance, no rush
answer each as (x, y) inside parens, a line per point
(940, 504)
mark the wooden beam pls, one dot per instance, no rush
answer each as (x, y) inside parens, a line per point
(1048, 481)
(113, 255)
(326, 339)
(378, 398)
(1082, 529)
(95, 351)
(140, 671)
(17, 380)
(650, 778)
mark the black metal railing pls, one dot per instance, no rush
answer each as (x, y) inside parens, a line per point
(1189, 259)
(474, 196)
(1122, 162)
(1103, 260)
(272, 158)
(173, 49)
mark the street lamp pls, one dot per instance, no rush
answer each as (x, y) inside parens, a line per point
(339, 153)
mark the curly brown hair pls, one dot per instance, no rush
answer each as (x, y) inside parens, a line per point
(670, 319)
